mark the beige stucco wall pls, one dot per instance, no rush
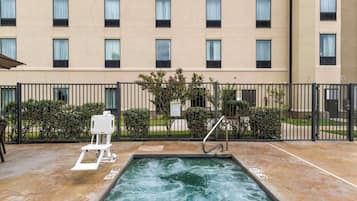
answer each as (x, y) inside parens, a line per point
(303, 41)
(307, 28)
(328, 74)
(86, 33)
(349, 41)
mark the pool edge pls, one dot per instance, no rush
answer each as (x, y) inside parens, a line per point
(260, 183)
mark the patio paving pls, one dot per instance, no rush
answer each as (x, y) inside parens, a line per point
(291, 170)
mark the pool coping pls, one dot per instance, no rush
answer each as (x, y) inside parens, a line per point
(227, 156)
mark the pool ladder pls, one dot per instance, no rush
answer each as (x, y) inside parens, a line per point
(218, 146)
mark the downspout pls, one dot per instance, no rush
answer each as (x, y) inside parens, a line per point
(290, 52)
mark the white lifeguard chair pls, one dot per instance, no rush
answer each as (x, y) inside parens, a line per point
(102, 128)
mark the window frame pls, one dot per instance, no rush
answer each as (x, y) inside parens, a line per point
(15, 47)
(59, 22)
(163, 23)
(111, 23)
(263, 63)
(56, 97)
(113, 92)
(263, 23)
(328, 16)
(60, 63)
(111, 63)
(214, 63)
(4, 102)
(163, 63)
(245, 92)
(328, 60)
(8, 21)
(214, 23)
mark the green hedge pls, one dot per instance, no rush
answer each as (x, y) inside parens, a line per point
(197, 121)
(54, 119)
(266, 123)
(137, 121)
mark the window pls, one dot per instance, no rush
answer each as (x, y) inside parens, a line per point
(198, 97)
(112, 13)
(327, 49)
(60, 94)
(163, 55)
(249, 95)
(8, 47)
(112, 53)
(8, 12)
(8, 95)
(263, 52)
(213, 53)
(60, 53)
(163, 13)
(263, 13)
(213, 13)
(110, 99)
(332, 94)
(328, 10)
(60, 13)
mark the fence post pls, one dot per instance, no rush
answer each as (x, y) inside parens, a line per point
(19, 111)
(216, 100)
(314, 112)
(290, 97)
(118, 99)
(351, 117)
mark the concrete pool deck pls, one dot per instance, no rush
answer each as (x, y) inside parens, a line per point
(290, 170)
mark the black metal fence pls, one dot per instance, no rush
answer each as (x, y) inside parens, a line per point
(38, 112)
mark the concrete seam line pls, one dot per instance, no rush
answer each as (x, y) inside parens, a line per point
(315, 166)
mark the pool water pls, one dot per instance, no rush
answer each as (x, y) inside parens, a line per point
(185, 179)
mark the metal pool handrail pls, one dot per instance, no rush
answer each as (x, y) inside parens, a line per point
(209, 133)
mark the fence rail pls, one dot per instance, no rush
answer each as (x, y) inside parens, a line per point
(44, 112)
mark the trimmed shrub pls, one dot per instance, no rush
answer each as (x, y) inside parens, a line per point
(197, 120)
(44, 114)
(243, 108)
(237, 108)
(137, 121)
(265, 123)
(54, 119)
(69, 122)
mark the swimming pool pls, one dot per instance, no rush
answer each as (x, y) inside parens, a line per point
(185, 179)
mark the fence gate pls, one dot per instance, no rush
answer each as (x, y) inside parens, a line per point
(334, 108)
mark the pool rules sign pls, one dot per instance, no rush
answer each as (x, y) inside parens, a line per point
(175, 108)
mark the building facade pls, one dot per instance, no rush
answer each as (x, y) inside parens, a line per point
(258, 41)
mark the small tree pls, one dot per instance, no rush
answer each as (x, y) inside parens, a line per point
(277, 96)
(221, 98)
(167, 90)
